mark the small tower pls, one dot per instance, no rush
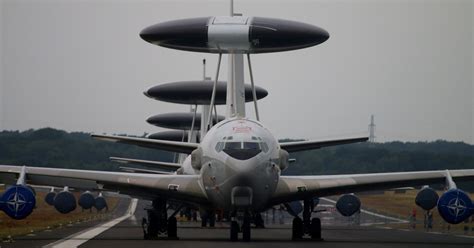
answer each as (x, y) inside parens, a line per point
(372, 129)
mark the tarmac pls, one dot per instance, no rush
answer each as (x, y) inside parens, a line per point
(124, 230)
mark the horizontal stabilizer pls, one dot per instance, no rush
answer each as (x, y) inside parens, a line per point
(165, 145)
(316, 144)
(155, 164)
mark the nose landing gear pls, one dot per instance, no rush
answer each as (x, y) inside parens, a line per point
(245, 228)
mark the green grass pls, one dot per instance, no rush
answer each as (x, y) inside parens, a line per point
(46, 217)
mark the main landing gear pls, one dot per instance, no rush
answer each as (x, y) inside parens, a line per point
(311, 227)
(158, 225)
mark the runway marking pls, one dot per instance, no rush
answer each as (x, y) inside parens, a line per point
(372, 213)
(79, 238)
(465, 236)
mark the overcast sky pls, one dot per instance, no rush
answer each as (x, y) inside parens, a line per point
(81, 66)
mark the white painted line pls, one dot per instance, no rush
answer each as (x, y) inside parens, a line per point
(465, 236)
(79, 238)
(372, 223)
(372, 213)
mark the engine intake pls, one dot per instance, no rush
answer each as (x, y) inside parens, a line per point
(18, 202)
(427, 198)
(86, 200)
(65, 202)
(347, 205)
(100, 202)
(455, 206)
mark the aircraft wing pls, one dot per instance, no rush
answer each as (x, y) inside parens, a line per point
(147, 186)
(316, 144)
(165, 145)
(291, 188)
(156, 164)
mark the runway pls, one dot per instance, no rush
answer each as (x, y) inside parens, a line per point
(337, 232)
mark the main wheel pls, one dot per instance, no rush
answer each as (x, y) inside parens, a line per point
(259, 223)
(246, 230)
(234, 231)
(315, 229)
(297, 229)
(172, 228)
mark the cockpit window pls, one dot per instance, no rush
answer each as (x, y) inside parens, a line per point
(233, 145)
(251, 145)
(242, 150)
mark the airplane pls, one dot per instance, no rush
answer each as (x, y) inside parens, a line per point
(237, 165)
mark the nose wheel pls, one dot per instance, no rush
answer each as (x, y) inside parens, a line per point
(245, 228)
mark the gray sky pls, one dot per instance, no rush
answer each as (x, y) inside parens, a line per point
(81, 66)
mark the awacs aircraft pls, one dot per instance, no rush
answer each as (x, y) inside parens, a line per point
(238, 163)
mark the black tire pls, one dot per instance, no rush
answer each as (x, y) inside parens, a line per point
(297, 229)
(172, 228)
(259, 223)
(246, 231)
(315, 229)
(212, 219)
(234, 231)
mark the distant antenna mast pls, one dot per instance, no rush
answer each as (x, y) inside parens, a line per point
(372, 129)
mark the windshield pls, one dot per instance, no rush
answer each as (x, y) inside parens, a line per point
(241, 150)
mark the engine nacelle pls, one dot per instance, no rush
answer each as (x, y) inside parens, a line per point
(196, 159)
(100, 203)
(427, 198)
(347, 205)
(65, 202)
(284, 156)
(49, 198)
(294, 208)
(18, 202)
(86, 200)
(455, 206)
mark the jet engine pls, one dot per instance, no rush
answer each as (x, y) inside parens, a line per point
(196, 157)
(427, 198)
(18, 201)
(455, 206)
(86, 200)
(284, 156)
(65, 202)
(348, 204)
(49, 198)
(100, 202)
(294, 208)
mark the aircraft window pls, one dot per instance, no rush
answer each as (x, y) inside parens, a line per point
(248, 151)
(233, 145)
(219, 146)
(264, 147)
(251, 145)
